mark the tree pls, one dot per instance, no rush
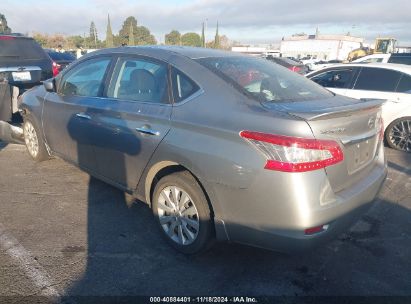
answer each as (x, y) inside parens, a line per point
(144, 37)
(131, 36)
(173, 38)
(4, 29)
(124, 34)
(109, 34)
(203, 42)
(191, 39)
(141, 34)
(74, 42)
(93, 34)
(217, 39)
(41, 39)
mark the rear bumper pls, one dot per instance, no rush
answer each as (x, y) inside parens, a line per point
(278, 221)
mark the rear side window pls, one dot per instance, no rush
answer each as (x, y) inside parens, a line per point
(400, 59)
(183, 87)
(139, 79)
(334, 78)
(375, 79)
(17, 49)
(405, 84)
(263, 80)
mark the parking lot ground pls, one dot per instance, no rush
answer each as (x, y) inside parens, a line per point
(63, 233)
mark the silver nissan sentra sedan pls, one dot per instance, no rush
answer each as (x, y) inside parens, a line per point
(220, 145)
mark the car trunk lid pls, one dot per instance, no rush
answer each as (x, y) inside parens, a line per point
(354, 124)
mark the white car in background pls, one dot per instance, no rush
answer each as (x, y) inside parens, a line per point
(374, 58)
(391, 82)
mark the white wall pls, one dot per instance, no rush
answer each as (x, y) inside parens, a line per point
(323, 49)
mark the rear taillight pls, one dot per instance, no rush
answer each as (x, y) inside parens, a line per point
(295, 69)
(6, 38)
(56, 69)
(381, 129)
(294, 154)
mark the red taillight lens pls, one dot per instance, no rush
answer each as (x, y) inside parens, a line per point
(296, 69)
(6, 38)
(315, 230)
(294, 154)
(56, 69)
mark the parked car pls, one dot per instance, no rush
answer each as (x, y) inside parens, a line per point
(386, 81)
(290, 64)
(273, 160)
(400, 58)
(60, 60)
(324, 64)
(23, 64)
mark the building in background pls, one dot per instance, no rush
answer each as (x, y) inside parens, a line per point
(319, 46)
(260, 50)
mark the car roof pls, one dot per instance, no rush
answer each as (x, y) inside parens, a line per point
(392, 66)
(190, 52)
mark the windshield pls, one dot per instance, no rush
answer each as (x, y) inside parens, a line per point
(263, 80)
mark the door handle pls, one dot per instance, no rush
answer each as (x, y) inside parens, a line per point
(145, 130)
(82, 115)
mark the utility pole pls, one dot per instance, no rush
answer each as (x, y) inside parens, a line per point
(205, 32)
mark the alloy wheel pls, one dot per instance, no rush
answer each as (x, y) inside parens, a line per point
(178, 215)
(400, 135)
(31, 139)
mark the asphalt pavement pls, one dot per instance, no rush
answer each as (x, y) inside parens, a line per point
(63, 233)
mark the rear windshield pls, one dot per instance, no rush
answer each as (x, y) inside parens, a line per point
(264, 80)
(12, 49)
(286, 60)
(61, 56)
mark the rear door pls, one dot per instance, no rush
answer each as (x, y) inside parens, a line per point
(338, 80)
(132, 119)
(375, 83)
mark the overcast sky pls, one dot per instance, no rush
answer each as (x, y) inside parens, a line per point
(246, 21)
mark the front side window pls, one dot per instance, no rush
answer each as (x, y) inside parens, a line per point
(85, 79)
(263, 80)
(376, 79)
(139, 80)
(334, 78)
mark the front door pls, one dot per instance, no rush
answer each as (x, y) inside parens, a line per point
(67, 122)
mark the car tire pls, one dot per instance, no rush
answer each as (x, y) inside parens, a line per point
(398, 134)
(183, 213)
(34, 141)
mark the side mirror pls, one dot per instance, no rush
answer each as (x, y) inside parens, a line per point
(49, 85)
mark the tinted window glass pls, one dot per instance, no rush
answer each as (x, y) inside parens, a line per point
(61, 56)
(85, 79)
(264, 80)
(400, 59)
(405, 84)
(183, 86)
(375, 79)
(334, 78)
(13, 49)
(139, 80)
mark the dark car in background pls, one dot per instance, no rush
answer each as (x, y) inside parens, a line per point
(23, 64)
(290, 64)
(60, 60)
(220, 145)
(401, 58)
